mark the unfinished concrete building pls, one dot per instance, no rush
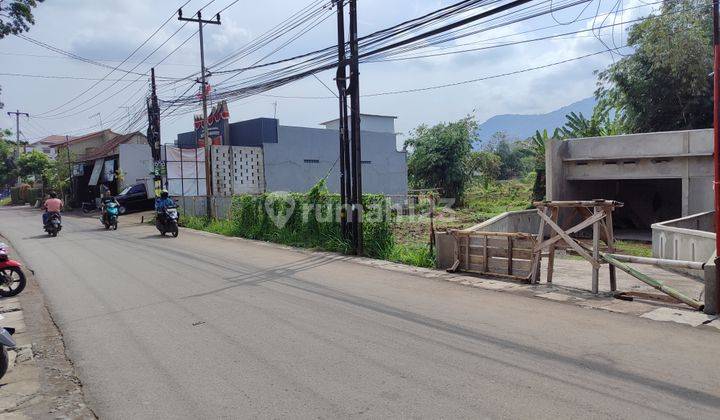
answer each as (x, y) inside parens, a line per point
(659, 176)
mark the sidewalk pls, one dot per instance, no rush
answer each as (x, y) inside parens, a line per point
(40, 381)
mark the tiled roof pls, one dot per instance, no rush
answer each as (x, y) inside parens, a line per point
(108, 147)
(86, 137)
(53, 140)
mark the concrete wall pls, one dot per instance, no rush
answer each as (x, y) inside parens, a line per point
(682, 155)
(197, 206)
(374, 123)
(525, 221)
(303, 156)
(691, 238)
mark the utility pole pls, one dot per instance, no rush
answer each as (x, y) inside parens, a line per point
(357, 190)
(203, 82)
(716, 141)
(17, 114)
(341, 81)
(70, 174)
(153, 134)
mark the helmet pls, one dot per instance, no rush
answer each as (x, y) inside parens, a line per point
(52, 194)
(164, 194)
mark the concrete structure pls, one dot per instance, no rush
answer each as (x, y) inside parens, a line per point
(85, 144)
(659, 176)
(296, 158)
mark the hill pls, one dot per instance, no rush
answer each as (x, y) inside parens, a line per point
(523, 126)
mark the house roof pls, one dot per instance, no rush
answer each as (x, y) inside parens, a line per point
(86, 137)
(108, 147)
(53, 140)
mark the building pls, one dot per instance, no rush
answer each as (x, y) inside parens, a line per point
(262, 155)
(104, 157)
(46, 145)
(659, 176)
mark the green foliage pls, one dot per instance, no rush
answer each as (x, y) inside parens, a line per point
(34, 164)
(501, 196)
(664, 85)
(485, 164)
(417, 255)
(312, 221)
(16, 16)
(600, 124)
(439, 156)
(512, 155)
(7, 162)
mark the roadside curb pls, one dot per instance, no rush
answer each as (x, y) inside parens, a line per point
(559, 294)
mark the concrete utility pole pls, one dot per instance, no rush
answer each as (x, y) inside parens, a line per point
(17, 114)
(203, 83)
(716, 141)
(350, 144)
(357, 209)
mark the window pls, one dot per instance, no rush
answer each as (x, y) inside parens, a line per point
(365, 162)
(312, 160)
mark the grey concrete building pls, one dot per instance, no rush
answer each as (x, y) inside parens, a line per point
(659, 176)
(296, 158)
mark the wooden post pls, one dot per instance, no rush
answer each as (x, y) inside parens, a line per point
(596, 254)
(551, 252)
(486, 263)
(611, 246)
(510, 256)
(535, 266)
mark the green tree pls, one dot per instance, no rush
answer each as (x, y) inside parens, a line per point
(600, 124)
(34, 164)
(16, 16)
(485, 164)
(511, 153)
(439, 156)
(7, 162)
(664, 85)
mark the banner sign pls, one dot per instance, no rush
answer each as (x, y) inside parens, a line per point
(218, 125)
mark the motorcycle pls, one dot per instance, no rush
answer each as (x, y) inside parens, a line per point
(110, 217)
(166, 221)
(12, 278)
(6, 341)
(53, 225)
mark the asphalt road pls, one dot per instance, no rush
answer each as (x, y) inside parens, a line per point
(209, 327)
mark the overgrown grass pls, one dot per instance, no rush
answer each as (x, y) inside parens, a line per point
(412, 254)
(5, 201)
(498, 197)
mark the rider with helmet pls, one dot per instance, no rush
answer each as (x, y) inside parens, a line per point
(163, 202)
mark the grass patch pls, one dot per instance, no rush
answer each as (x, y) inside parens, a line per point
(412, 254)
(636, 249)
(5, 201)
(501, 196)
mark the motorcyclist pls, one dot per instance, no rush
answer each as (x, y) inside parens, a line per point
(106, 199)
(51, 205)
(163, 202)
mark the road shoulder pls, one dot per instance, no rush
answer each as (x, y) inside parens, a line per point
(41, 381)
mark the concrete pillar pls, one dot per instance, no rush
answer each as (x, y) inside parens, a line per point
(554, 179)
(445, 250)
(712, 307)
(685, 194)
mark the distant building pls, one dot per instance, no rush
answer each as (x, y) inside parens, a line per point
(293, 159)
(46, 145)
(104, 157)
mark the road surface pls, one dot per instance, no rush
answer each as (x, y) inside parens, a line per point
(208, 327)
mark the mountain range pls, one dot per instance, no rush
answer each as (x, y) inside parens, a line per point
(520, 127)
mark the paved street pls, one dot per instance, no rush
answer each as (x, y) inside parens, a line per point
(207, 327)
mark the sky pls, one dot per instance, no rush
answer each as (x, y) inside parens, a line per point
(109, 31)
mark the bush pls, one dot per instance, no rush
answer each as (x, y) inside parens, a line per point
(33, 195)
(307, 220)
(417, 255)
(20, 195)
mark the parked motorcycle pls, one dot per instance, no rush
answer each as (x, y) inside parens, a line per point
(110, 217)
(6, 341)
(53, 225)
(12, 278)
(166, 221)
